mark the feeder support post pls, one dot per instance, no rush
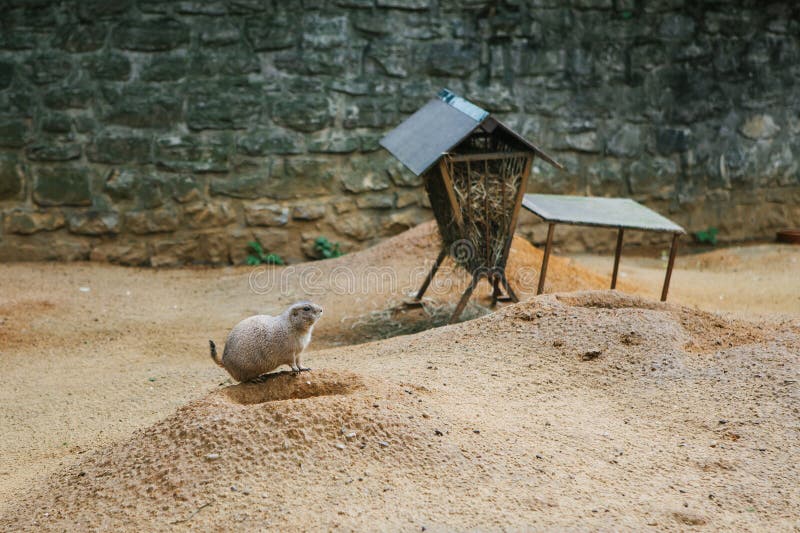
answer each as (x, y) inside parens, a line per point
(465, 297)
(495, 290)
(447, 180)
(432, 273)
(546, 257)
(507, 286)
(517, 205)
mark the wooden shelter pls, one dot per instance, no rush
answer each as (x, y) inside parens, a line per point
(475, 171)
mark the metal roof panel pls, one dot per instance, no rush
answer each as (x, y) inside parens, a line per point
(420, 140)
(607, 212)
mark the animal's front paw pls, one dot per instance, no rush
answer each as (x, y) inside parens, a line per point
(295, 369)
(305, 369)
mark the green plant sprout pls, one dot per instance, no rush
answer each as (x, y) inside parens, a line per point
(258, 255)
(327, 249)
(707, 236)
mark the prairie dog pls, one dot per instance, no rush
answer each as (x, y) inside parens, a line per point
(261, 343)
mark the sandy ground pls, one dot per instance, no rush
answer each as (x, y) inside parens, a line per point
(756, 280)
(588, 410)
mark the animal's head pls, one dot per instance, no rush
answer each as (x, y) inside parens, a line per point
(303, 315)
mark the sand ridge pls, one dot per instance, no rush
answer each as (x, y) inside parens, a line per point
(588, 410)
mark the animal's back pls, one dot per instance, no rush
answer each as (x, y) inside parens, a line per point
(255, 346)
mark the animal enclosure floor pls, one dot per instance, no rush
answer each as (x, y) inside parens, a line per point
(756, 280)
(583, 410)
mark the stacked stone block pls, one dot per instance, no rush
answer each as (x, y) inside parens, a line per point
(162, 132)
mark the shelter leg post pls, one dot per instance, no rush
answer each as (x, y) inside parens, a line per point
(465, 298)
(546, 258)
(617, 253)
(672, 251)
(432, 273)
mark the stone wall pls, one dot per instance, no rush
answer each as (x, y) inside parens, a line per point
(163, 132)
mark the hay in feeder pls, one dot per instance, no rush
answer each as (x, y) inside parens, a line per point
(486, 195)
(479, 229)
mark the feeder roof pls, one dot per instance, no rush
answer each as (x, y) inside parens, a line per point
(435, 128)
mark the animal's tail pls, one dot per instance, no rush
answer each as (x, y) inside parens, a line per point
(214, 352)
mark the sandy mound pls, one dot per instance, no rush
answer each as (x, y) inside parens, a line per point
(252, 446)
(708, 331)
(591, 410)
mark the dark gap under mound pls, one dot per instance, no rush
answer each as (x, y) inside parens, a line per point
(399, 319)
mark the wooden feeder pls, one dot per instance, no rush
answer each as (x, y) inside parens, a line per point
(475, 171)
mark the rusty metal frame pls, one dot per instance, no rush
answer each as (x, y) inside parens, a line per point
(618, 252)
(673, 250)
(586, 211)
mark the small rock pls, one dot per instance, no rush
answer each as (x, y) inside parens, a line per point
(311, 211)
(759, 127)
(383, 443)
(340, 445)
(212, 456)
(591, 354)
(438, 433)
(84, 289)
(689, 519)
(266, 215)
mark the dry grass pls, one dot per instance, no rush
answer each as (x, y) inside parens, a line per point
(486, 192)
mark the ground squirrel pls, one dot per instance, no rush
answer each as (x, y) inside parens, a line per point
(262, 343)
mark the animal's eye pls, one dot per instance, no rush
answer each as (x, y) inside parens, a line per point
(307, 308)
